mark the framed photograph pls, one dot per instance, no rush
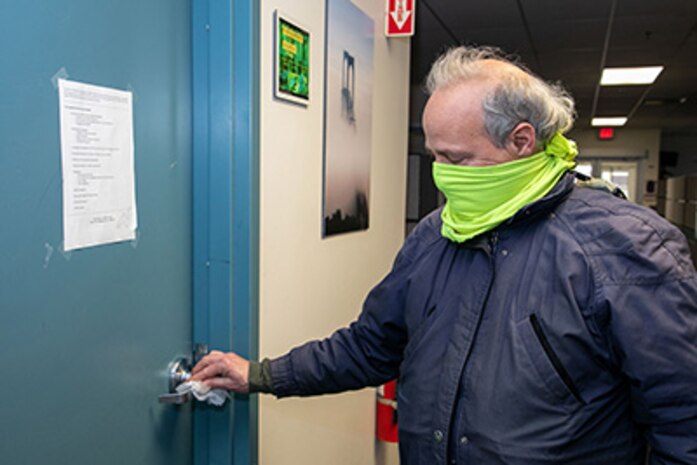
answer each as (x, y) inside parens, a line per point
(348, 110)
(292, 60)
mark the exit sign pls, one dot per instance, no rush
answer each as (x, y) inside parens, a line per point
(399, 18)
(606, 133)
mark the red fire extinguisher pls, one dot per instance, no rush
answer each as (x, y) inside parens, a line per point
(387, 412)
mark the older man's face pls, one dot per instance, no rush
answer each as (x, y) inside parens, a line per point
(453, 122)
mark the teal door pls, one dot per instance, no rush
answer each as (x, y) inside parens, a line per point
(86, 336)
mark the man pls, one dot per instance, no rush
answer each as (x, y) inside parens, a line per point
(530, 321)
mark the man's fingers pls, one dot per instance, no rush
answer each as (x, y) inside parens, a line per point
(201, 365)
(212, 370)
(222, 371)
(206, 361)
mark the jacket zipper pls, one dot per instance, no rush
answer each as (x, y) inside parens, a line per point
(552, 356)
(456, 418)
(493, 242)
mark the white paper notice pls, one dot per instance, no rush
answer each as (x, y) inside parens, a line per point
(96, 126)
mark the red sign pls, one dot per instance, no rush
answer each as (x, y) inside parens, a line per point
(606, 133)
(399, 18)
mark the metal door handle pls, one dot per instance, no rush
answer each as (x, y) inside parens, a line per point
(179, 371)
(175, 398)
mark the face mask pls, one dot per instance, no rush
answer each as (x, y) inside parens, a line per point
(479, 198)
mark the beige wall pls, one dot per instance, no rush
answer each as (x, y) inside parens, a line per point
(309, 286)
(627, 142)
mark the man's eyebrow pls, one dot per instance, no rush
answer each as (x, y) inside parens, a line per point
(463, 155)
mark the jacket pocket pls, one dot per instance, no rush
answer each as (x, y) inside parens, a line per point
(547, 362)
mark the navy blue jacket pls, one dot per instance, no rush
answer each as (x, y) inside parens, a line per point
(568, 335)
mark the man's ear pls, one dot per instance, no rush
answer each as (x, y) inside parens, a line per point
(522, 141)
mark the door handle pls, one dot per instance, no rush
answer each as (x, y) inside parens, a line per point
(178, 371)
(175, 398)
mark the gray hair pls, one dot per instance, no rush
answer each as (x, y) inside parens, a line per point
(516, 98)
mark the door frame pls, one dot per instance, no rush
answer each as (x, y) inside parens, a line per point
(640, 159)
(632, 168)
(225, 49)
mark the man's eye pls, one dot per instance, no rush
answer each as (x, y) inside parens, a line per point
(455, 157)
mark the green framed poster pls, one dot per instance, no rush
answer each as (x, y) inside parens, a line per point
(292, 60)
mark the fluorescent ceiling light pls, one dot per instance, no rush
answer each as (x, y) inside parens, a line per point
(609, 121)
(630, 76)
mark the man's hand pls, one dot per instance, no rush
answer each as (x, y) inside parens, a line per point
(220, 370)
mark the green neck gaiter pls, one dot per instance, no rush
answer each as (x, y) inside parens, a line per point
(479, 198)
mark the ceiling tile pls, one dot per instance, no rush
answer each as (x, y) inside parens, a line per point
(550, 11)
(560, 36)
(472, 14)
(621, 92)
(641, 32)
(656, 8)
(639, 56)
(571, 62)
(510, 39)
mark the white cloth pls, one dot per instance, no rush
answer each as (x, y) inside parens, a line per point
(203, 393)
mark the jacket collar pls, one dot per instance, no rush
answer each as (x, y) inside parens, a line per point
(532, 211)
(546, 204)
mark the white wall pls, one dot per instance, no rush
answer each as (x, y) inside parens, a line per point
(627, 142)
(309, 286)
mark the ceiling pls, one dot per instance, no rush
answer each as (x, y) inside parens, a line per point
(571, 41)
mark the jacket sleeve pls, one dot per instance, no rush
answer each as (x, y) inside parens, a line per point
(366, 353)
(653, 334)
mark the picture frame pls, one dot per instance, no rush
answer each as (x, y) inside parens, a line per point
(348, 111)
(291, 60)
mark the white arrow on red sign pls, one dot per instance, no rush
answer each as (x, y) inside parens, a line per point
(399, 20)
(400, 13)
